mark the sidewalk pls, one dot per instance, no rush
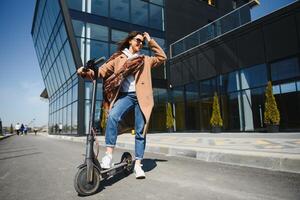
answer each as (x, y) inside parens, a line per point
(276, 151)
(2, 137)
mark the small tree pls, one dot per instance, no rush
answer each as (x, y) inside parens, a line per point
(11, 130)
(104, 114)
(216, 120)
(170, 119)
(271, 114)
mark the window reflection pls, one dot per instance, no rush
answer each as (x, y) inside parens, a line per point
(97, 32)
(139, 12)
(285, 69)
(156, 17)
(79, 28)
(99, 7)
(77, 5)
(96, 49)
(119, 9)
(117, 35)
(254, 76)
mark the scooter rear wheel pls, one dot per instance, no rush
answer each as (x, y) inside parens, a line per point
(82, 186)
(127, 158)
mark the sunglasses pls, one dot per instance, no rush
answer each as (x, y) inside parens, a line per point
(138, 40)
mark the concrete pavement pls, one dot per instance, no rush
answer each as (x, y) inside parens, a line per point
(276, 151)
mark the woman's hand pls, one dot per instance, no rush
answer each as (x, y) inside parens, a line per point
(147, 36)
(81, 71)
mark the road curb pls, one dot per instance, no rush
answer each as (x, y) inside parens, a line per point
(264, 160)
(6, 136)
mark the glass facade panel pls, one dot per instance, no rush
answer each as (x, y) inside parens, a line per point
(229, 82)
(96, 49)
(117, 35)
(285, 69)
(231, 108)
(139, 12)
(79, 28)
(119, 9)
(288, 103)
(178, 100)
(288, 87)
(74, 118)
(69, 56)
(192, 91)
(77, 5)
(254, 76)
(156, 17)
(207, 87)
(99, 7)
(88, 90)
(158, 2)
(97, 32)
(205, 113)
(192, 106)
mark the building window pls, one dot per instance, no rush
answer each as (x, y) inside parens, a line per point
(139, 12)
(77, 5)
(97, 32)
(156, 17)
(285, 69)
(119, 9)
(254, 76)
(117, 36)
(98, 7)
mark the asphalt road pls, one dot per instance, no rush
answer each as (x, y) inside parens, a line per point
(38, 168)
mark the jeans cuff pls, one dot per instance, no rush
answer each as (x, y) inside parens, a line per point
(110, 145)
(138, 158)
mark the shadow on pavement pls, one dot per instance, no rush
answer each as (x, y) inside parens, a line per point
(3, 152)
(148, 165)
(28, 154)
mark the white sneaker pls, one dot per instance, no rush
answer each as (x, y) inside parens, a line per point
(139, 172)
(106, 161)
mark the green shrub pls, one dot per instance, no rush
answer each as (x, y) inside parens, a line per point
(216, 119)
(271, 114)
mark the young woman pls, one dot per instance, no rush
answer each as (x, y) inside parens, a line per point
(134, 92)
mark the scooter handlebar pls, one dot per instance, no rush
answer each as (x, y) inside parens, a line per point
(99, 60)
(91, 64)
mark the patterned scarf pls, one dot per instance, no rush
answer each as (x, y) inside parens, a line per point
(112, 84)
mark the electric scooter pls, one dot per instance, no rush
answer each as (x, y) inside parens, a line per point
(90, 174)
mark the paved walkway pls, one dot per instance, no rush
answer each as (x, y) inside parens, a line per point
(276, 151)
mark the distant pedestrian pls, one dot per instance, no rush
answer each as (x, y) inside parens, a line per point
(17, 128)
(35, 131)
(25, 129)
(22, 129)
(60, 127)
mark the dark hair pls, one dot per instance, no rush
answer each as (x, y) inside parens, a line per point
(125, 42)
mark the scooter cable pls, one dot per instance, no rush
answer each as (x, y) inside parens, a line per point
(97, 143)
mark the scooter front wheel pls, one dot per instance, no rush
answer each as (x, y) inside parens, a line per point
(82, 186)
(127, 158)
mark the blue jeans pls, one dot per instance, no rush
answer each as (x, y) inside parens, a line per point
(124, 103)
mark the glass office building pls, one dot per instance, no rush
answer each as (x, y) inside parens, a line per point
(66, 34)
(236, 60)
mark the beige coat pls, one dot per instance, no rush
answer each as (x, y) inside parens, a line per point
(143, 81)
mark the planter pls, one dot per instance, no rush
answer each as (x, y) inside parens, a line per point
(271, 128)
(216, 129)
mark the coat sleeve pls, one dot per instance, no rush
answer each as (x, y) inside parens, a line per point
(107, 68)
(159, 54)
